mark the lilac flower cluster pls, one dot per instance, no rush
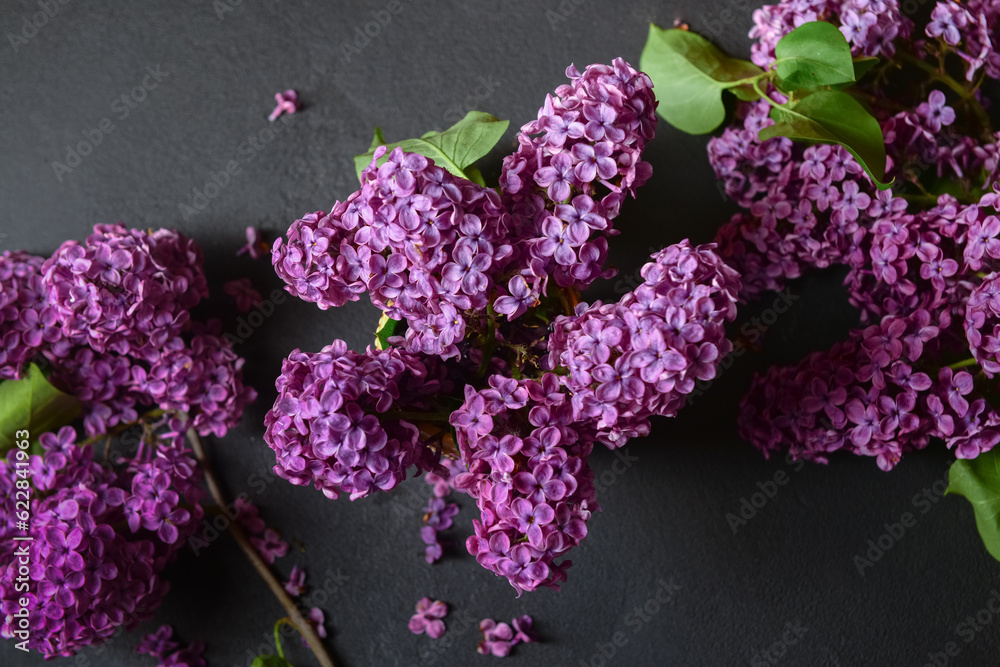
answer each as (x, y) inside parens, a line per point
(640, 357)
(920, 261)
(134, 347)
(469, 271)
(870, 26)
(924, 277)
(423, 243)
(970, 30)
(812, 206)
(125, 290)
(574, 166)
(982, 324)
(526, 455)
(882, 393)
(26, 316)
(100, 538)
(500, 638)
(331, 423)
(930, 260)
(434, 249)
(110, 320)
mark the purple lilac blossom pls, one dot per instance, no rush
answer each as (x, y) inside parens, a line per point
(428, 618)
(296, 584)
(880, 393)
(982, 324)
(836, 207)
(641, 356)
(243, 293)
(969, 30)
(125, 290)
(117, 335)
(423, 243)
(255, 245)
(170, 653)
(158, 644)
(497, 638)
(574, 166)
(28, 321)
(328, 426)
(500, 638)
(870, 26)
(100, 540)
(528, 472)
(317, 619)
(270, 546)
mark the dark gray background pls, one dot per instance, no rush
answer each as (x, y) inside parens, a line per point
(665, 516)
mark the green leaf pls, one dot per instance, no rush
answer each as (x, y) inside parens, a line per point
(862, 66)
(387, 328)
(32, 404)
(473, 174)
(270, 661)
(377, 140)
(813, 55)
(833, 117)
(978, 480)
(455, 149)
(689, 74)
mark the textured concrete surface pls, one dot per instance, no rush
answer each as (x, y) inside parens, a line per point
(785, 582)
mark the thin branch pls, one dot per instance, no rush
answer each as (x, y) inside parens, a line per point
(304, 627)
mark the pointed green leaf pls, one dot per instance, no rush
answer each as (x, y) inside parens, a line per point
(32, 404)
(689, 74)
(377, 140)
(862, 66)
(978, 480)
(387, 328)
(270, 661)
(473, 174)
(833, 117)
(455, 149)
(813, 55)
